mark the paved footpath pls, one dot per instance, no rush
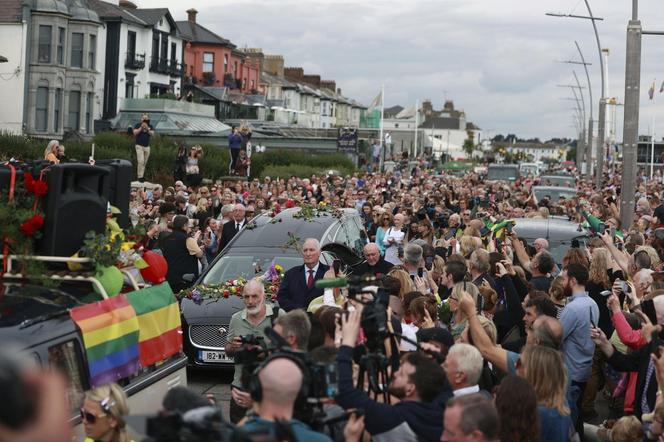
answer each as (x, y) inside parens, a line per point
(216, 382)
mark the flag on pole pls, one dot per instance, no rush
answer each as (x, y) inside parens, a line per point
(661, 88)
(651, 91)
(377, 102)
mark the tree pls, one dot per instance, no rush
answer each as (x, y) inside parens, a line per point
(469, 144)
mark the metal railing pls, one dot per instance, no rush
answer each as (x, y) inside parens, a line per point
(134, 61)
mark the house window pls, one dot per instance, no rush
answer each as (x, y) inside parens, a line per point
(129, 85)
(92, 52)
(44, 51)
(225, 63)
(155, 50)
(131, 44)
(77, 50)
(88, 112)
(61, 45)
(208, 62)
(174, 51)
(57, 109)
(74, 110)
(41, 116)
(235, 68)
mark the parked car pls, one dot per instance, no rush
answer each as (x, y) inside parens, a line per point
(558, 181)
(559, 232)
(37, 319)
(553, 193)
(503, 172)
(268, 240)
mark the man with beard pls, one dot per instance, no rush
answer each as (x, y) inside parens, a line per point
(577, 318)
(252, 320)
(416, 383)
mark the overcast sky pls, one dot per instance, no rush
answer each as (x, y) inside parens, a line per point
(494, 58)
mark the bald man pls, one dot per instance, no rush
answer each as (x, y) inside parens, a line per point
(281, 381)
(374, 264)
(297, 289)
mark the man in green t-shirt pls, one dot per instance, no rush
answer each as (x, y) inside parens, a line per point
(252, 320)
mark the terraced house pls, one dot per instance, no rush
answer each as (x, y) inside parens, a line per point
(52, 81)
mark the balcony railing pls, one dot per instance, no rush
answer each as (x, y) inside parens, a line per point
(176, 69)
(159, 65)
(135, 61)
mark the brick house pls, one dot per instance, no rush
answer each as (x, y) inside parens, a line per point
(214, 61)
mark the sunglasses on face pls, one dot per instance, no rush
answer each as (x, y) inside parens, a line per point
(89, 417)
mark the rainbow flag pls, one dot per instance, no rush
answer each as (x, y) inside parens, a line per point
(110, 337)
(158, 317)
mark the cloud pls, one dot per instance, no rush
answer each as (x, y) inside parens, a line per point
(495, 59)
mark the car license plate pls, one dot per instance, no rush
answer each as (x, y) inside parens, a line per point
(214, 356)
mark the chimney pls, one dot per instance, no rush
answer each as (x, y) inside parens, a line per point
(274, 65)
(338, 91)
(127, 4)
(191, 15)
(294, 73)
(330, 85)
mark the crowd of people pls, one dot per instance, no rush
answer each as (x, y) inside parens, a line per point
(492, 337)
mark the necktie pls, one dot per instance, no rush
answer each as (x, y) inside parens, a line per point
(310, 279)
(237, 226)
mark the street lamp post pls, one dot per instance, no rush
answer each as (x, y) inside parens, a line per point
(599, 172)
(580, 148)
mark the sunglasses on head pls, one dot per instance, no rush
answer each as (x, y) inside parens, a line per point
(89, 417)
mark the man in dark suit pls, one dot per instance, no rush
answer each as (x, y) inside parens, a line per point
(375, 264)
(297, 288)
(234, 225)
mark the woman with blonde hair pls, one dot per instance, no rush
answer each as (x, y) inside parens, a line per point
(468, 244)
(404, 278)
(544, 369)
(51, 152)
(459, 318)
(103, 412)
(599, 281)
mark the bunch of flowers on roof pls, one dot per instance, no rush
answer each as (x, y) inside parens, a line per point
(234, 287)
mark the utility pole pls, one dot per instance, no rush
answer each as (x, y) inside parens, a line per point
(631, 119)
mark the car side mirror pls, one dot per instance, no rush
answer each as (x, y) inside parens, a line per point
(188, 277)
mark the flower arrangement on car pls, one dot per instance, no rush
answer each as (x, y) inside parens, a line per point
(233, 287)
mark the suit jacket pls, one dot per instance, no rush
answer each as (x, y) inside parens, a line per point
(293, 292)
(228, 232)
(637, 361)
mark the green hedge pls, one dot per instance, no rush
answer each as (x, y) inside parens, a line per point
(164, 149)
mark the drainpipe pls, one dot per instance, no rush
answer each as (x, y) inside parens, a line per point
(27, 19)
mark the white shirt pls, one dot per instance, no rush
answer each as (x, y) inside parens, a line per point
(238, 225)
(410, 332)
(466, 390)
(306, 273)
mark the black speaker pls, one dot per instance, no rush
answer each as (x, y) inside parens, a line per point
(119, 187)
(77, 202)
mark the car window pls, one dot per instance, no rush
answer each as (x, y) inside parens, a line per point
(67, 357)
(341, 236)
(246, 266)
(355, 241)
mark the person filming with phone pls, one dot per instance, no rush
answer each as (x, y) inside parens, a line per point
(143, 131)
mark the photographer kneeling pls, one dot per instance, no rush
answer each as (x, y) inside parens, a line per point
(248, 322)
(417, 383)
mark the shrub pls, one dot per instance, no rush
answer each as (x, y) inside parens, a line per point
(163, 150)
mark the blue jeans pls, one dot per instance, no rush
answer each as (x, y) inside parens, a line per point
(575, 398)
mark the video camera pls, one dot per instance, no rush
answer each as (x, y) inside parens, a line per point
(374, 315)
(322, 377)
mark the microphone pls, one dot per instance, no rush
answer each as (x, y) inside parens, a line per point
(344, 281)
(331, 283)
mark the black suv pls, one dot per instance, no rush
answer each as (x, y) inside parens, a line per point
(250, 253)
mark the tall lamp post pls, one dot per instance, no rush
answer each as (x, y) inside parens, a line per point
(581, 149)
(599, 172)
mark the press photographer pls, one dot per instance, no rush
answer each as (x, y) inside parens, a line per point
(416, 383)
(247, 325)
(279, 384)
